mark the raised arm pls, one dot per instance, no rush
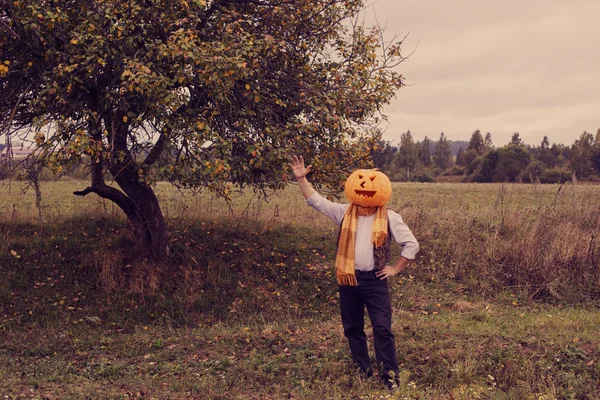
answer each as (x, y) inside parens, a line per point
(335, 211)
(300, 173)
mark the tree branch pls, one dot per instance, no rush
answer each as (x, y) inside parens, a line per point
(122, 161)
(156, 151)
(10, 29)
(102, 189)
(110, 193)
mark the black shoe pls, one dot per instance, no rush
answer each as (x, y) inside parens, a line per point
(367, 373)
(391, 383)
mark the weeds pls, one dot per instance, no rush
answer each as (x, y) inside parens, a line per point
(246, 306)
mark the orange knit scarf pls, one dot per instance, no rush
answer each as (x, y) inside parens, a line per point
(344, 262)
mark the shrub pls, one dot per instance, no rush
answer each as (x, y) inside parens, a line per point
(454, 171)
(532, 172)
(398, 177)
(593, 178)
(423, 177)
(555, 175)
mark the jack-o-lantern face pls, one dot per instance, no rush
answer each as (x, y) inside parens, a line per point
(368, 188)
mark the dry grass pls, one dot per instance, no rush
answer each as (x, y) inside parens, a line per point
(246, 307)
(539, 239)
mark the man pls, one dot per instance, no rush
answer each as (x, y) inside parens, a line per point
(362, 262)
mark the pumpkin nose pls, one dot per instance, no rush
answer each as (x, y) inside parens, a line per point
(362, 184)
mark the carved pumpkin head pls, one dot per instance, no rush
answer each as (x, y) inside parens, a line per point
(368, 188)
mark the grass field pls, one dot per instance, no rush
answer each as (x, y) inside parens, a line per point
(501, 303)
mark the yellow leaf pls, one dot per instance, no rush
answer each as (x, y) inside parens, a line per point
(14, 253)
(74, 41)
(247, 86)
(125, 118)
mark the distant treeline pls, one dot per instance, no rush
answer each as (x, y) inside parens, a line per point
(478, 160)
(444, 160)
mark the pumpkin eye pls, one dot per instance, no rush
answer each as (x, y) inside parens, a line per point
(372, 178)
(360, 176)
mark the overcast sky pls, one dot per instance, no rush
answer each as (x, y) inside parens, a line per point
(527, 66)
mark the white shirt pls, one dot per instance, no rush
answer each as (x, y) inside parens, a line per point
(364, 260)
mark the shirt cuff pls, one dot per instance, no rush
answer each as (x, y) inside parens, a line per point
(410, 252)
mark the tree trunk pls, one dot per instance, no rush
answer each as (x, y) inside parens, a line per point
(147, 219)
(149, 225)
(141, 207)
(136, 198)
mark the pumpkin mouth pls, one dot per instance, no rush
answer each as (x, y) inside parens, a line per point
(365, 193)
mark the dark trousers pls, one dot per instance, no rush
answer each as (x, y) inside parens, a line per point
(373, 293)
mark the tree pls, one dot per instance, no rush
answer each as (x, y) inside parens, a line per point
(545, 144)
(477, 143)
(442, 153)
(487, 143)
(460, 157)
(516, 139)
(471, 160)
(561, 153)
(512, 160)
(596, 152)
(580, 156)
(545, 155)
(384, 156)
(425, 152)
(408, 153)
(487, 167)
(205, 94)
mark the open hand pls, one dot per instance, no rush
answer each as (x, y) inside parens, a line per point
(298, 168)
(386, 272)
